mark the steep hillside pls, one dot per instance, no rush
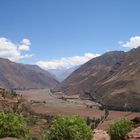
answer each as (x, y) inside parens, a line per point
(10, 101)
(122, 89)
(81, 80)
(112, 79)
(20, 76)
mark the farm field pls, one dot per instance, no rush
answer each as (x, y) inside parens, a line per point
(45, 103)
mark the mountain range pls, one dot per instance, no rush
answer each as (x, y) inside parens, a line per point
(20, 76)
(112, 79)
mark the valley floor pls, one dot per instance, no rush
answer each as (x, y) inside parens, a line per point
(45, 103)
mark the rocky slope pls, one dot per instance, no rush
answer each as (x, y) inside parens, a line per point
(11, 102)
(112, 79)
(20, 76)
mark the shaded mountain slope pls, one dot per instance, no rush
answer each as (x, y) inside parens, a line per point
(122, 89)
(20, 76)
(89, 74)
(112, 79)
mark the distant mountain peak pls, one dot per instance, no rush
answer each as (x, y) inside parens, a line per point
(63, 73)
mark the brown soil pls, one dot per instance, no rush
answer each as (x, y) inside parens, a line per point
(54, 106)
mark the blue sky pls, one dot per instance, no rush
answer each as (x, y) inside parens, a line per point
(56, 29)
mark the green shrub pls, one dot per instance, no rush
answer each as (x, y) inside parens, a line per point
(69, 128)
(13, 125)
(119, 129)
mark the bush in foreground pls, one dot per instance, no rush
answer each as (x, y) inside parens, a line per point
(13, 125)
(119, 129)
(69, 128)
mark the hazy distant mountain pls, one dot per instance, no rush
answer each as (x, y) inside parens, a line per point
(62, 74)
(112, 79)
(20, 76)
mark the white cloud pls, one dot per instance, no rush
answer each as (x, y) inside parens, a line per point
(133, 42)
(11, 50)
(26, 42)
(25, 45)
(120, 42)
(26, 56)
(66, 62)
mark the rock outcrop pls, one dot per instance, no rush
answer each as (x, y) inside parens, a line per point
(134, 135)
(101, 135)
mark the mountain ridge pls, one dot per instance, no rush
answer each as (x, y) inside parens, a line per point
(22, 76)
(112, 79)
